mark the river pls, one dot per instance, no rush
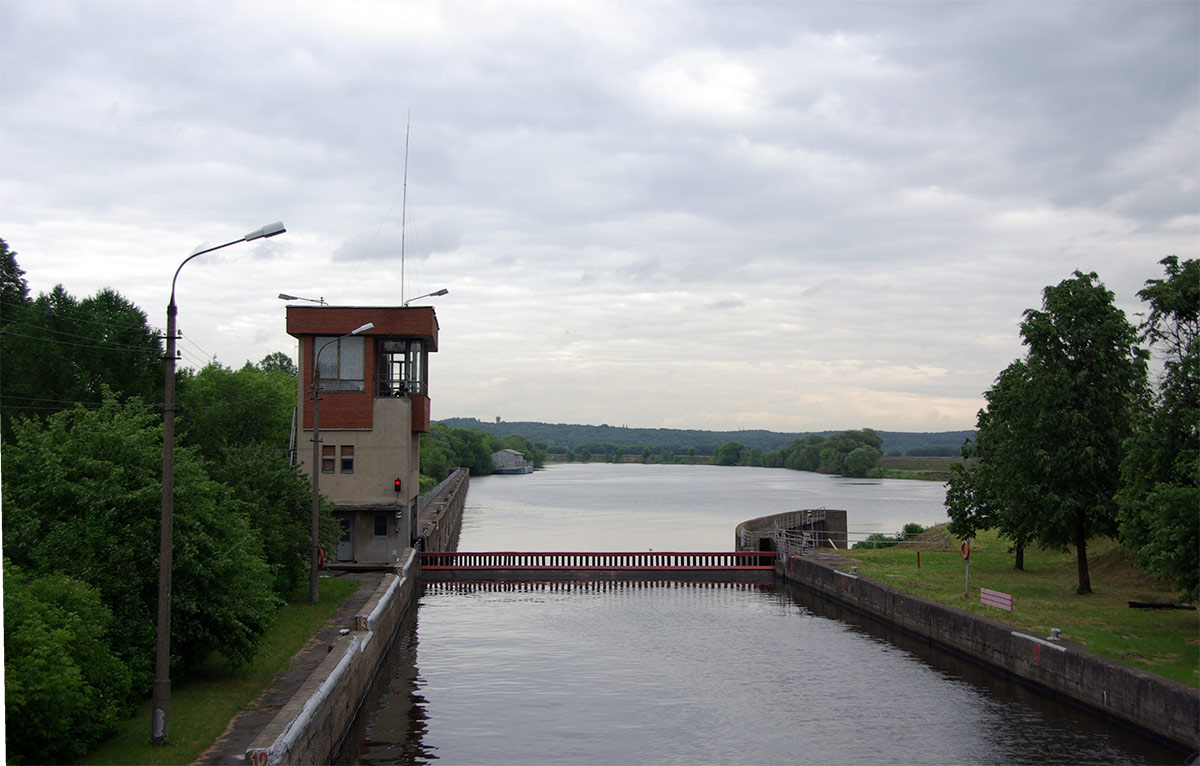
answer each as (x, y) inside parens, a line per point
(692, 674)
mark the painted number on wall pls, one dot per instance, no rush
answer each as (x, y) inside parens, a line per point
(259, 758)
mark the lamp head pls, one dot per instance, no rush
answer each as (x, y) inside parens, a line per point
(286, 297)
(364, 328)
(270, 230)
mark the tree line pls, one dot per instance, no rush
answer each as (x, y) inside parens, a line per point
(81, 429)
(1075, 441)
(559, 438)
(445, 448)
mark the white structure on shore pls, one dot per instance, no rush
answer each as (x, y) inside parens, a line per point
(511, 461)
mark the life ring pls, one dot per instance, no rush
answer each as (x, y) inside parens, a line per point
(320, 558)
(966, 550)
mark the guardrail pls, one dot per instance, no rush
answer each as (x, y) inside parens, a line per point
(513, 565)
(613, 560)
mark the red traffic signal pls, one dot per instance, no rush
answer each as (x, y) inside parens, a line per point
(396, 485)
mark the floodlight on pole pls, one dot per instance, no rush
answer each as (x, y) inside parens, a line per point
(433, 294)
(161, 691)
(314, 553)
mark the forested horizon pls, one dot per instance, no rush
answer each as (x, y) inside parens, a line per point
(572, 436)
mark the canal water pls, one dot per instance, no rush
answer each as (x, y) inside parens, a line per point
(616, 673)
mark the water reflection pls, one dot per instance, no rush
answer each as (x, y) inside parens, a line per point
(686, 673)
(604, 673)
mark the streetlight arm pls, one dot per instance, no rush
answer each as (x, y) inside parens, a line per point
(433, 294)
(161, 691)
(270, 230)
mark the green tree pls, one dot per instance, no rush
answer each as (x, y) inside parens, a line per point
(276, 498)
(467, 448)
(14, 290)
(64, 689)
(240, 421)
(861, 461)
(805, 454)
(281, 363)
(1161, 472)
(82, 494)
(67, 349)
(1000, 481)
(222, 408)
(729, 453)
(1086, 373)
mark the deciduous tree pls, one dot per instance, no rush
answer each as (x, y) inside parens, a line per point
(82, 494)
(64, 689)
(997, 484)
(1160, 501)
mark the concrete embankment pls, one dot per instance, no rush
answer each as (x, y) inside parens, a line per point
(311, 708)
(310, 726)
(440, 517)
(1159, 706)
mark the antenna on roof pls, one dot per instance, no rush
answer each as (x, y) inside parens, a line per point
(404, 203)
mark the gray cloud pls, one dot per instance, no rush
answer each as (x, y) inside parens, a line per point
(703, 215)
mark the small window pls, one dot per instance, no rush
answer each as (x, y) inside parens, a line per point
(347, 458)
(327, 458)
(381, 524)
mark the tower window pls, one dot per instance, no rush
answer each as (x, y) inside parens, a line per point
(347, 458)
(340, 362)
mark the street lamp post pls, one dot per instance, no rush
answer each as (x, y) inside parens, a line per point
(313, 587)
(161, 693)
(433, 294)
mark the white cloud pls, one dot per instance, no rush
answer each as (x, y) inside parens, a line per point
(790, 216)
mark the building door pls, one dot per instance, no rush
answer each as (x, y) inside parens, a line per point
(346, 542)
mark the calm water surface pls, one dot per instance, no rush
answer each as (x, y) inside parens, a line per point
(665, 674)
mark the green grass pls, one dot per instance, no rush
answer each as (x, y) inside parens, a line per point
(203, 704)
(925, 468)
(1162, 641)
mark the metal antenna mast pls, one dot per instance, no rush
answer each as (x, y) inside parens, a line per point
(404, 204)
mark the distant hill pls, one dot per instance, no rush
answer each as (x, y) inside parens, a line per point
(680, 440)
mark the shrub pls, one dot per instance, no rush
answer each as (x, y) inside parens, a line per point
(64, 689)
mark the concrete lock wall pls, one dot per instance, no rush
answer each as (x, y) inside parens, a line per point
(312, 724)
(1163, 707)
(440, 518)
(308, 728)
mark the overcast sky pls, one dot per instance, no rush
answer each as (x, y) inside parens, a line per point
(714, 215)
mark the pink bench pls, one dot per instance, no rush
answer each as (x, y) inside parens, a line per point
(996, 598)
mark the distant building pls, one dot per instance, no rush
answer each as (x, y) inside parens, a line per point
(511, 461)
(374, 390)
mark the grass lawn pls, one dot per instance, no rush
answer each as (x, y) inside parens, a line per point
(925, 468)
(203, 704)
(1163, 641)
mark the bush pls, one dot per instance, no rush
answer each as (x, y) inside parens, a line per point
(64, 690)
(877, 540)
(82, 494)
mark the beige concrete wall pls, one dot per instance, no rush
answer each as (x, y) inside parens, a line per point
(369, 548)
(381, 454)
